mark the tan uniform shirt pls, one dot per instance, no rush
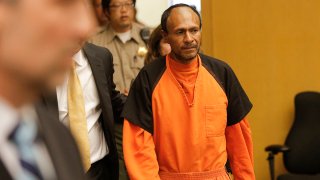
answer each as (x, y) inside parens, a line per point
(127, 62)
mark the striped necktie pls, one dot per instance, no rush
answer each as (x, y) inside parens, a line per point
(24, 138)
(77, 117)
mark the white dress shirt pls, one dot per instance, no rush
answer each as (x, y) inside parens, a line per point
(8, 153)
(98, 146)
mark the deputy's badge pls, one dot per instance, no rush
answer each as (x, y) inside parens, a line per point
(142, 51)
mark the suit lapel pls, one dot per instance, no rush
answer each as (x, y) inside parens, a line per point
(61, 149)
(47, 136)
(100, 77)
(98, 71)
(51, 101)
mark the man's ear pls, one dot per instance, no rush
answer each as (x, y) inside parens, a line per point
(164, 35)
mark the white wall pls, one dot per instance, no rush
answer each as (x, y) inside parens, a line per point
(150, 11)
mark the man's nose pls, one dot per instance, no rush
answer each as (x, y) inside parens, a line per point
(188, 38)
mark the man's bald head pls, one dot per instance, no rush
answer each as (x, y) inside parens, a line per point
(167, 13)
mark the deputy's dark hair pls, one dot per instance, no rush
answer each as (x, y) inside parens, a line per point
(167, 12)
(106, 4)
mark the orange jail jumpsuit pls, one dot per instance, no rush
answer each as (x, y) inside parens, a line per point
(183, 121)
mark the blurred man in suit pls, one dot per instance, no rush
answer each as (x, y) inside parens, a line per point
(37, 39)
(96, 105)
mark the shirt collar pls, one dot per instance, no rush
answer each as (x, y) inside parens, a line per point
(180, 67)
(78, 58)
(111, 34)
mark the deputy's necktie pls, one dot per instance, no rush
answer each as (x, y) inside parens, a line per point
(77, 117)
(24, 138)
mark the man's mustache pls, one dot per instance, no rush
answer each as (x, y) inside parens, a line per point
(189, 46)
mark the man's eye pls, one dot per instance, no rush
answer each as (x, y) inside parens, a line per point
(116, 6)
(194, 31)
(179, 32)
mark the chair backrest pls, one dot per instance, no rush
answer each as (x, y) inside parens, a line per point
(304, 136)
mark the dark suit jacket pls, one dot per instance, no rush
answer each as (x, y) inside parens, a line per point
(112, 102)
(61, 147)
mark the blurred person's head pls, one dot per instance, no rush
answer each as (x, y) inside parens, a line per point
(156, 46)
(181, 27)
(101, 16)
(37, 41)
(120, 13)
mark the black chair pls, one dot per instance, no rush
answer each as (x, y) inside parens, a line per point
(301, 152)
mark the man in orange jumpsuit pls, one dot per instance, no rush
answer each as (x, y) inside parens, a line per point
(186, 112)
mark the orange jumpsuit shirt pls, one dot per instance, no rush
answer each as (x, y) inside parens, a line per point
(185, 121)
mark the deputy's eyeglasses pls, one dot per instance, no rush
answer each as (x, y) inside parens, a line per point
(119, 6)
